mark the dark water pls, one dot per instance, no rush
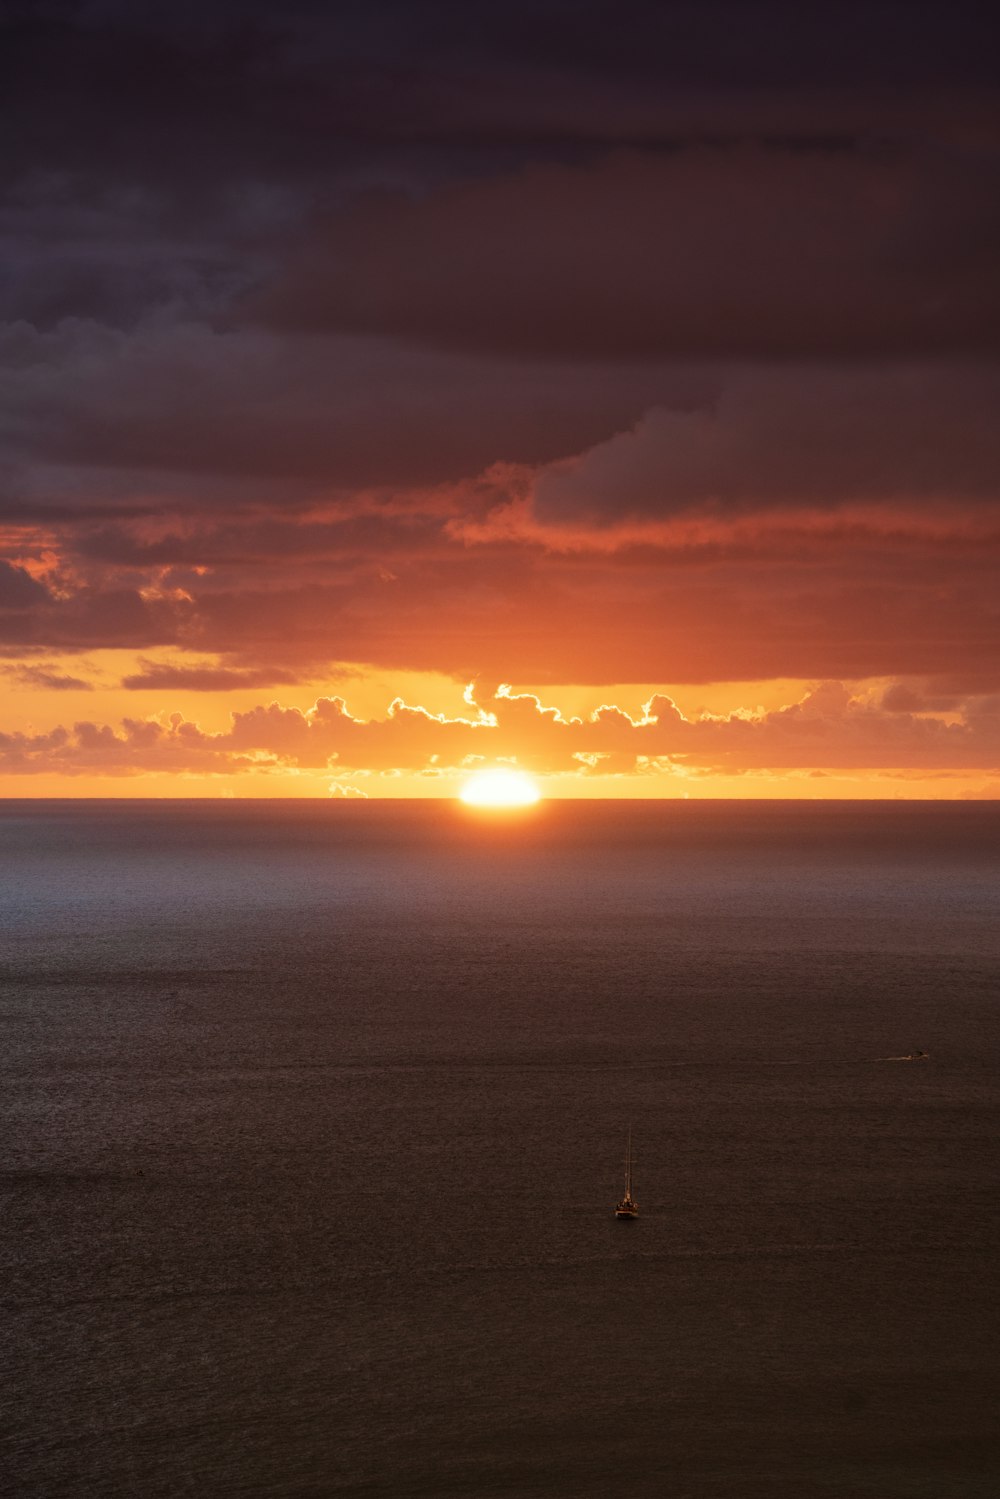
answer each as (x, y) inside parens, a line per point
(314, 1117)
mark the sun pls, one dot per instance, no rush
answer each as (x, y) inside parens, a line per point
(500, 788)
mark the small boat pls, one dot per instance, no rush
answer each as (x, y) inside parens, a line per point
(628, 1207)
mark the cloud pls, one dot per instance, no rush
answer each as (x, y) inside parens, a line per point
(828, 729)
(94, 411)
(156, 676)
(718, 593)
(811, 437)
(797, 520)
(531, 341)
(18, 590)
(96, 617)
(321, 92)
(52, 681)
(701, 253)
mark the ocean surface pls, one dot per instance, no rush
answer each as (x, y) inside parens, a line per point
(313, 1126)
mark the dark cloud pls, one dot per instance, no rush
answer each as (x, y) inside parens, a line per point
(169, 155)
(808, 436)
(158, 676)
(18, 589)
(706, 253)
(52, 681)
(97, 617)
(653, 342)
(273, 413)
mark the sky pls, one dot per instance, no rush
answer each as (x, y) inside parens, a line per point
(393, 390)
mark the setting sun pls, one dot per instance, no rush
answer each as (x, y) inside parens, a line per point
(500, 788)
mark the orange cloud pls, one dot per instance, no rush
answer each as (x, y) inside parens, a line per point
(830, 728)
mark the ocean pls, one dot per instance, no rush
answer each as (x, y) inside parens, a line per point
(314, 1123)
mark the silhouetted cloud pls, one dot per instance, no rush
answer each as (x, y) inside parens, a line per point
(829, 728)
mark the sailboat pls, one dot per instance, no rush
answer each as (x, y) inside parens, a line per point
(628, 1207)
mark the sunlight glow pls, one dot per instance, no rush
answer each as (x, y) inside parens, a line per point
(500, 788)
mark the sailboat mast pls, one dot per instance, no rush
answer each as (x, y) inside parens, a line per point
(627, 1207)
